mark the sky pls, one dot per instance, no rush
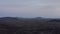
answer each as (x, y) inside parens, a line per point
(30, 8)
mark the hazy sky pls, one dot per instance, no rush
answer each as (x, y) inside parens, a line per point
(30, 8)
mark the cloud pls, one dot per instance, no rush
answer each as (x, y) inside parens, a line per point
(29, 2)
(30, 8)
(45, 11)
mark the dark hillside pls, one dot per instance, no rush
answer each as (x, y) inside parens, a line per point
(13, 25)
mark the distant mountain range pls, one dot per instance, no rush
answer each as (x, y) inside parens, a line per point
(25, 19)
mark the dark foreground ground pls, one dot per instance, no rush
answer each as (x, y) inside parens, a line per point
(29, 26)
